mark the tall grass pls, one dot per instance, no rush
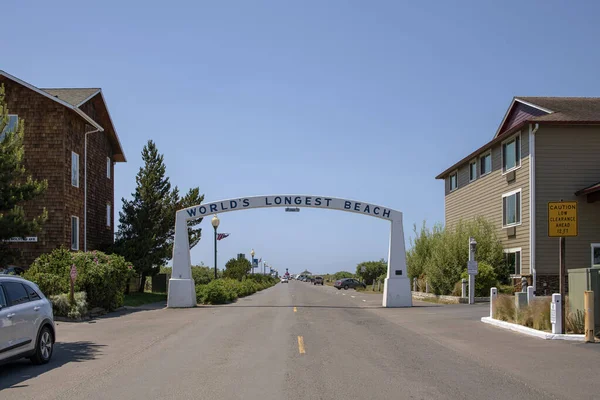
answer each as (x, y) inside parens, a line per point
(505, 308)
(575, 321)
(535, 315)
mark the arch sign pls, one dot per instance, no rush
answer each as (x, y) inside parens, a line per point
(182, 292)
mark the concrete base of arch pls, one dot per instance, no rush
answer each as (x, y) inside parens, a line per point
(396, 293)
(182, 293)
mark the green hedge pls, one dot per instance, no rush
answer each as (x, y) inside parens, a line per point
(102, 277)
(62, 307)
(222, 291)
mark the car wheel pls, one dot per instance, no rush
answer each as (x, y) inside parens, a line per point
(345, 287)
(44, 347)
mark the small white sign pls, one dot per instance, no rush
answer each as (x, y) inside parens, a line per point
(472, 267)
(29, 239)
(552, 313)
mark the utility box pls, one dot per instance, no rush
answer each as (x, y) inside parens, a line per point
(580, 280)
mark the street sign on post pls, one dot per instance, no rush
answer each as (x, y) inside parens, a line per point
(562, 218)
(472, 267)
(562, 223)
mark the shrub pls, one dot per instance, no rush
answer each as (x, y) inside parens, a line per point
(220, 291)
(506, 289)
(505, 308)
(442, 253)
(62, 307)
(484, 280)
(342, 274)
(575, 321)
(457, 291)
(102, 277)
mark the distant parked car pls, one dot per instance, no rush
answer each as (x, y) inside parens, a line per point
(318, 281)
(348, 283)
(26, 321)
(284, 280)
(12, 271)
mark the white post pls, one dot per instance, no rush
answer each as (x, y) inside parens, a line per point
(530, 295)
(463, 289)
(426, 286)
(493, 299)
(182, 291)
(396, 287)
(414, 284)
(556, 313)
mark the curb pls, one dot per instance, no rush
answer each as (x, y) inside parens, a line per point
(532, 332)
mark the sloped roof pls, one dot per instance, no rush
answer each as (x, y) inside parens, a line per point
(566, 109)
(73, 96)
(558, 110)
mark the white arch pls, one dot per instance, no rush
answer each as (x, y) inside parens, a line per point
(396, 291)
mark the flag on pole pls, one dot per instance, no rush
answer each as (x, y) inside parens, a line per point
(222, 235)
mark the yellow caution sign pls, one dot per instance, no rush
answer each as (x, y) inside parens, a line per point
(562, 218)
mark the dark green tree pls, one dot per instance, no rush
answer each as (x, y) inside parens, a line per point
(16, 185)
(147, 222)
(237, 268)
(371, 270)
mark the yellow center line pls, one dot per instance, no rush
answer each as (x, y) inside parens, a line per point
(301, 345)
(295, 309)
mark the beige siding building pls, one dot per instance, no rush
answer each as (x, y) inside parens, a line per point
(546, 149)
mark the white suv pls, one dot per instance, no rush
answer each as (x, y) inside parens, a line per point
(26, 321)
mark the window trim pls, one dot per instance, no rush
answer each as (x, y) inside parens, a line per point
(487, 153)
(592, 246)
(518, 163)
(455, 172)
(476, 171)
(520, 251)
(76, 247)
(108, 168)
(72, 155)
(508, 194)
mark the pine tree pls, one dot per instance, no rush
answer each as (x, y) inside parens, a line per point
(146, 223)
(16, 185)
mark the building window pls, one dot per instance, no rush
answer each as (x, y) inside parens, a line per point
(108, 215)
(454, 181)
(595, 254)
(74, 169)
(512, 260)
(472, 171)
(108, 164)
(511, 154)
(511, 208)
(485, 164)
(74, 233)
(13, 121)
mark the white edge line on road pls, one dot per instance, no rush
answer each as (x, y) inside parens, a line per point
(353, 296)
(364, 300)
(530, 331)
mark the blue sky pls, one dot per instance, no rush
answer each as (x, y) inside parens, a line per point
(352, 99)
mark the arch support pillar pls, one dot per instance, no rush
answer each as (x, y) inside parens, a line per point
(396, 289)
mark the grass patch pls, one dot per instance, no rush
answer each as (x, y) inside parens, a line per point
(137, 299)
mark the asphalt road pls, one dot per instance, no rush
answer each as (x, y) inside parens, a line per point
(298, 341)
